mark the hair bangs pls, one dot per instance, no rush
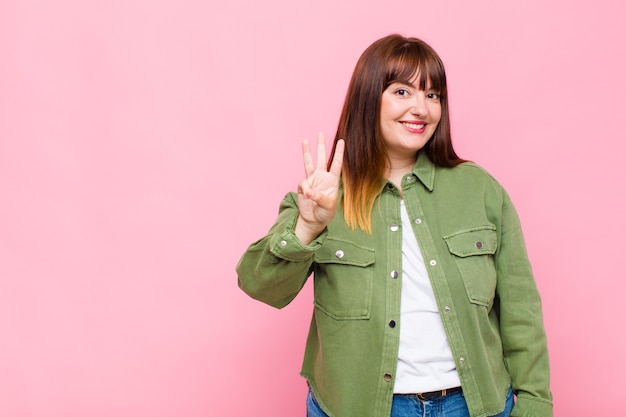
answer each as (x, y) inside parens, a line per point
(410, 60)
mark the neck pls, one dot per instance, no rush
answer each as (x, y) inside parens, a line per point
(396, 169)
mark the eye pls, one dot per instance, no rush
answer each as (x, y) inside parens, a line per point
(433, 96)
(403, 92)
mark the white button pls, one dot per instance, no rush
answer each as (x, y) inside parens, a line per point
(433, 262)
(339, 254)
(462, 359)
(418, 221)
(394, 274)
(446, 309)
(283, 243)
(394, 227)
(409, 178)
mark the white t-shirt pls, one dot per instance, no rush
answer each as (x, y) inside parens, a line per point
(425, 361)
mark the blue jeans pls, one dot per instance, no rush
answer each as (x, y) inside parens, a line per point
(312, 407)
(407, 405)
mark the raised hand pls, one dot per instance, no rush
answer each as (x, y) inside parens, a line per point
(318, 193)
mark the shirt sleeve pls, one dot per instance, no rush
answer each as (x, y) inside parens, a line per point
(274, 269)
(521, 321)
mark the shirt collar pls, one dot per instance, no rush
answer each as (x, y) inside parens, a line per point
(424, 170)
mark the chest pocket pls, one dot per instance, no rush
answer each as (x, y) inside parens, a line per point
(473, 251)
(344, 279)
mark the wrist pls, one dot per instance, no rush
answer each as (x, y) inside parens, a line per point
(307, 232)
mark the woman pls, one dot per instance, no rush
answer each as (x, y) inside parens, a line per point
(425, 302)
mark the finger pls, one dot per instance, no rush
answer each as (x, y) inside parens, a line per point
(305, 189)
(324, 201)
(321, 152)
(309, 168)
(335, 166)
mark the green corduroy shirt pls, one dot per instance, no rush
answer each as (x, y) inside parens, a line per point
(472, 243)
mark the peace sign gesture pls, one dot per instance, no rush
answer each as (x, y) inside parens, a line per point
(318, 193)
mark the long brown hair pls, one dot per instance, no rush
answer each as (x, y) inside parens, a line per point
(390, 59)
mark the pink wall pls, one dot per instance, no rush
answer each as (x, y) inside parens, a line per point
(144, 145)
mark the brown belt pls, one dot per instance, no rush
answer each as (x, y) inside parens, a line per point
(425, 396)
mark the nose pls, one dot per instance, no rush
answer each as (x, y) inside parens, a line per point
(418, 104)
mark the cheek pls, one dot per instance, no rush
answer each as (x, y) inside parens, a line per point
(390, 109)
(436, 113)
(386, 115)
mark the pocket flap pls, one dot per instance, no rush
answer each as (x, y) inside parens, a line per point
(480, 240)
(344, 252)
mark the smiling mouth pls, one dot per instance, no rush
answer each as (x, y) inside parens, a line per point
(411, 125)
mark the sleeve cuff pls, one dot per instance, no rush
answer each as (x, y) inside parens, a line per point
(532, 407)
(287, 246)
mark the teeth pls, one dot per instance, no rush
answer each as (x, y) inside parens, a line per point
(414, 125)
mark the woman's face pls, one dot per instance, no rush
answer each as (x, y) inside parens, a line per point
(408, 118)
